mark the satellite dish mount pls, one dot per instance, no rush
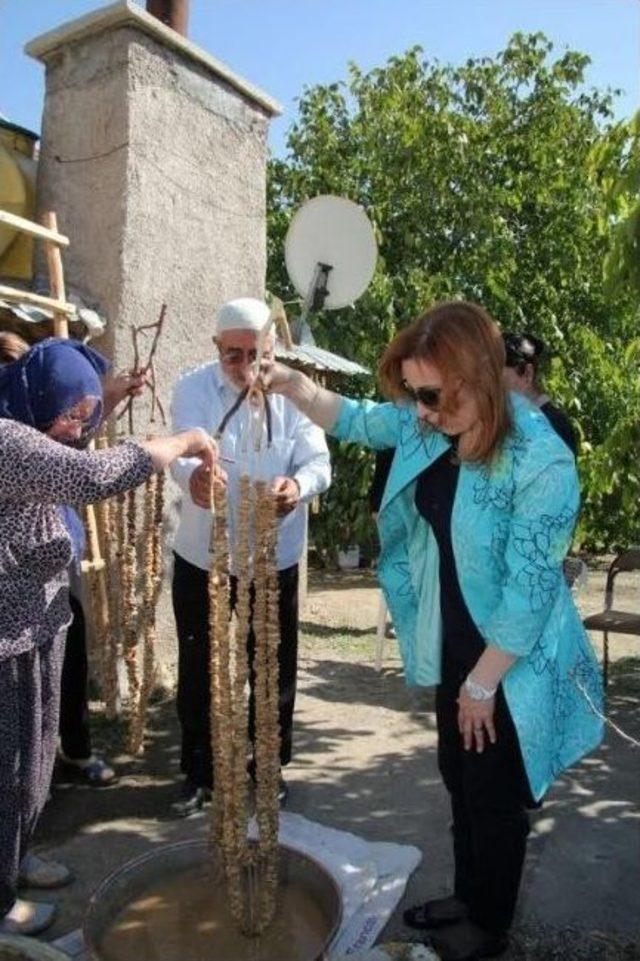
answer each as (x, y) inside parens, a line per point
(318, 289)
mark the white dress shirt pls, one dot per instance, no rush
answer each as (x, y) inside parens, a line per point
(201, 398)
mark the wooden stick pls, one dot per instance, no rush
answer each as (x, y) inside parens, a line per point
(90, 566)
(158, 327)
(148, 367)
(136, 364)
(33, 229)
(152, 413)
(162, 411)
(56, 276)
(281, 322)
(102, 600)
(125, 410)
(255, 390)
(15, 295)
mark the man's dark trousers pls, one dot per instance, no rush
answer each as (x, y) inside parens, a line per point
(191, 610)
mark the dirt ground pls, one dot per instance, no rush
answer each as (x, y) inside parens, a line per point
(349, 600)
(365, 762)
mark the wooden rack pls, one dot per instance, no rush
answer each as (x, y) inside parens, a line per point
(52, 241)
(47, 232)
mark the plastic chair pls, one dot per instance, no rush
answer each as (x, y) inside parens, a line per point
(612, 619)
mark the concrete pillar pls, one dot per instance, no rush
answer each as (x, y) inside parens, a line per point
(153, 156)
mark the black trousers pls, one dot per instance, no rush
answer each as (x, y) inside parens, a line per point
(489, 797)
(191, 610)
(75, 736)
(29, 702)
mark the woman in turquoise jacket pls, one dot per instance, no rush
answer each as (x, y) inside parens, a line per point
(477, 516)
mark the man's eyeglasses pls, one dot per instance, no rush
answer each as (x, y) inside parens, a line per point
(427, 396)
(235, 356)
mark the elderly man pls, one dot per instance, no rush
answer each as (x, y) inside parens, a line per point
(297, 463)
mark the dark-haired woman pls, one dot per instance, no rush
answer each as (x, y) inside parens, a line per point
(50, 400)
(477, 516)
(524, 355)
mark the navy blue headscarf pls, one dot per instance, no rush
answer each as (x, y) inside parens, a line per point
(47, 381)
(50, 379)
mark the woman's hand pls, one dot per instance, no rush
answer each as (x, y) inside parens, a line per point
(130, 383)
(475, 720)
(127, 383)
(209, 473)
(188, 443)
(276, 378)
(287, 491)
(200, 484)
(197, 443)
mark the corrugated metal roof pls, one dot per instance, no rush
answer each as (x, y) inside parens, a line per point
(305, 351)
(93, 323)
(319, 359)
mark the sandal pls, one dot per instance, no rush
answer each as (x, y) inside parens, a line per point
(93, 770)
(435, 914)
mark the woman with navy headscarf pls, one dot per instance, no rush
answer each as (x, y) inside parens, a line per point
(76, 756)
(51, 401)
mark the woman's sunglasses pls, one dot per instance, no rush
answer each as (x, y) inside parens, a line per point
(427, 396)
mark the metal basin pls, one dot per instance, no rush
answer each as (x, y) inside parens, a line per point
(14, 947)
(166, 906)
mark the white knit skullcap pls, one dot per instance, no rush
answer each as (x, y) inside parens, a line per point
(244, 313)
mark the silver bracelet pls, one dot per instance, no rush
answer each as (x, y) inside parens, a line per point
(477, 692)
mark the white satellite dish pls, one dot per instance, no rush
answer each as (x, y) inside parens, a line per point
(330, 251)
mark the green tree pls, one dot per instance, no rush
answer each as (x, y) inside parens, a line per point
(611, 468)
(616, 169)
(479, 181)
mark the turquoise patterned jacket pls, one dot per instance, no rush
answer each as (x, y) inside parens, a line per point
(511, 527)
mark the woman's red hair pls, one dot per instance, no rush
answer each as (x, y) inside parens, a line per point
(465, 344)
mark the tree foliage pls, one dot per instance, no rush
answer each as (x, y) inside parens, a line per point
(616, 169)
(485, 181)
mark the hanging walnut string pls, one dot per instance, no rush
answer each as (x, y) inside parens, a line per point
(98, 521)
(222, 719)
(129, 597)
(146, 624)
(240, 702)
(267, 632)
(113, 549)
(132, 600)
(251, 868)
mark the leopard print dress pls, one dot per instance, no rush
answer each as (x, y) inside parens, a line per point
(36, 474)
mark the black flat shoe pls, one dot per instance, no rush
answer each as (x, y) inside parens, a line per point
(465, 941)
(193, 799)
(435, 914)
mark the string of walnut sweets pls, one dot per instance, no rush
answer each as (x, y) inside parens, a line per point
(132, 547)
(250, 866)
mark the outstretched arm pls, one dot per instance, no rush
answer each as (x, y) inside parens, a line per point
(33, 467)
(361, 422)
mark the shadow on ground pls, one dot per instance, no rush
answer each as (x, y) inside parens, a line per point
(365, 762)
